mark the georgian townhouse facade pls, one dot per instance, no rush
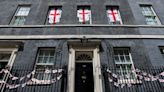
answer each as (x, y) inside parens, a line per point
(81, 45)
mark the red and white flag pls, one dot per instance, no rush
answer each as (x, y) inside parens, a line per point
(84, 15)
(54, 16)
(113, 15)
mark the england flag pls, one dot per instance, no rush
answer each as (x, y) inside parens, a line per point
(54, 16)
(113, 15)
(84, 15)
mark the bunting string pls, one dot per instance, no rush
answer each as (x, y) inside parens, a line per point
(117, 80)
(121, 81)
(30, 76)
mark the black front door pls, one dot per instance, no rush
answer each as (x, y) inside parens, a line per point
(84, 77)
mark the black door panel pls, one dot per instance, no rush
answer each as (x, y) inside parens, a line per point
(84, 77)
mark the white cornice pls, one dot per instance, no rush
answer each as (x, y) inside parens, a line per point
(81, 25)
(39, 37)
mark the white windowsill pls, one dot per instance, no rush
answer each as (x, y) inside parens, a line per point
(80, 25)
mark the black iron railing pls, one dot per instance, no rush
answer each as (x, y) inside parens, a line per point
(145, 80)
(40, 80)
(50, 80)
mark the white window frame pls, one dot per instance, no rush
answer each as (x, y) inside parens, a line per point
(44, 64)
(154, 14)
(24, 16)
(13, 52)
(108, 7)
(123, 80)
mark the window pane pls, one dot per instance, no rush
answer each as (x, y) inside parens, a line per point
(151, 20)
(16, 21)
(40, 59)
(46, 53)
(3, 64)
(121, 52)
(21, 21)
(23, 11)
(116, 58)
(150, 16)
(147, 11)
(45, 60)
(52, 53)
(126, 52)
(46, 56)
(51, 60)
(4, 60)
(4, 57)
(123, 62)
(121, 55)
(20, 16)
(127, 58)
(116, 52)
(122, 58)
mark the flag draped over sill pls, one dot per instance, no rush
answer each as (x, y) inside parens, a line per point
(84, 15)
(54, 15)
(113, 15)
(31, 80)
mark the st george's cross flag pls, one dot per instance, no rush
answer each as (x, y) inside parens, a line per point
(54, 16)
(113, 15)
(84, 15)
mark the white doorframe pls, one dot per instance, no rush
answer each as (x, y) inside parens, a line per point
(9, 64)
(96, 69)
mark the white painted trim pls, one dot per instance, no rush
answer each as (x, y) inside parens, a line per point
(96, 69)
(71, 70)
(90, 17)
(13, 55)
(81, 25)
(121, 22)
(84, 61)
(159, 22)
(38, 37)
(10, 63)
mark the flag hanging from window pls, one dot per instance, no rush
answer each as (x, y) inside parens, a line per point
(84, 15)
(113, 15)
(54, 15)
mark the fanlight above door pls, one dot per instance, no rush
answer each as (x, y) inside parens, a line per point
(84, 56)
